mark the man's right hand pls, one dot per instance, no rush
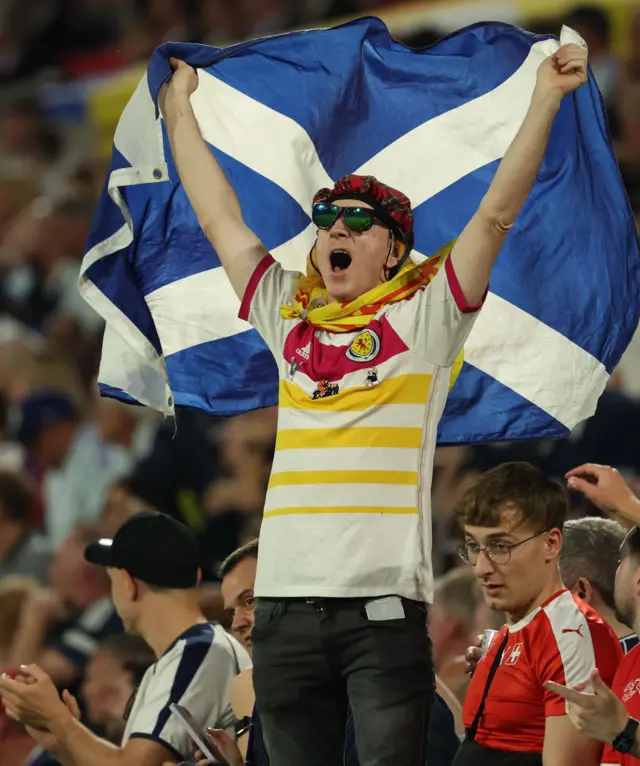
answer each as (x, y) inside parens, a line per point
(183, 82)
(472, 656)
(46, 739)
(606, 489)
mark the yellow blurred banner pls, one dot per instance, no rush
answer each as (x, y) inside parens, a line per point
(106, 103)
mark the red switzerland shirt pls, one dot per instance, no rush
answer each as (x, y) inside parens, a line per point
(563, 640)
(626, 686)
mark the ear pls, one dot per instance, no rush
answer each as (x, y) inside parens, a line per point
(636, 583)
(584, 590)
(130, 585)
(199, 580)
(395, 252)
(554, 543)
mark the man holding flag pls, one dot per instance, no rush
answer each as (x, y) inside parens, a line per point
(344, 573)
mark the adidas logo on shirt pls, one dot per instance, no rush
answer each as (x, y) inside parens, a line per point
(305, 352)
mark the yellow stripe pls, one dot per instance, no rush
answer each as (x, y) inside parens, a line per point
(334, 438)
(342, 509)
(293, 478)
(403, 389)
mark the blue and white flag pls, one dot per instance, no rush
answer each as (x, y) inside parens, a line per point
(289, 114)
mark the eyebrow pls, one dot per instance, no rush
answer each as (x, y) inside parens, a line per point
(494, 537)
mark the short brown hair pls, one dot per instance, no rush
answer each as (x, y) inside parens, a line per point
(247, 551)
(541, 502)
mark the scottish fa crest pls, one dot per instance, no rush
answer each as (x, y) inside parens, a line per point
(365, 347)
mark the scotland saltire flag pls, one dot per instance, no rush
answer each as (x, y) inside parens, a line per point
(289, 114)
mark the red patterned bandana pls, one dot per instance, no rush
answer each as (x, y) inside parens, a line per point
(392, 205)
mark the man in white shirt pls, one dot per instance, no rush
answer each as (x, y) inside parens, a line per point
(365, 345)
(152, 563)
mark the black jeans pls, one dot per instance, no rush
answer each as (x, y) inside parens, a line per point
(313, 660)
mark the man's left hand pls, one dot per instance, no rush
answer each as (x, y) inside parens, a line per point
(33, 701)
(564, 71)
(600, 716)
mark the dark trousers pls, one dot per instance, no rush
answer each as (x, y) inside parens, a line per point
(314, 660)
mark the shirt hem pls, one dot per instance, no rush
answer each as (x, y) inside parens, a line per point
(322, 591)
(252, 286)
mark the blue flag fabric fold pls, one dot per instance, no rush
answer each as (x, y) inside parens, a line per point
(289, 114)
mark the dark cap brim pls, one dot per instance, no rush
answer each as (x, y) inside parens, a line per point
(100, 553)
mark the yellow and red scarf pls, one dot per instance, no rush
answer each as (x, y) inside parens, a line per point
(310, 300)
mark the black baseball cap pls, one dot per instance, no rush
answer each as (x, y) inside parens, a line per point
(152, 547)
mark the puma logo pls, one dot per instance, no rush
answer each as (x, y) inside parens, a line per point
(573, 630)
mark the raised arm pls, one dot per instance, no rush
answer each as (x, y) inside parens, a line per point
(210, 193)
(478, 246)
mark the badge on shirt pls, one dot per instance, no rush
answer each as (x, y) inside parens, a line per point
(324, 389)
(365, 348)
(372, 377)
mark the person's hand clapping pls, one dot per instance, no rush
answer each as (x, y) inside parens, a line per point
(45, 739)
(34, 700)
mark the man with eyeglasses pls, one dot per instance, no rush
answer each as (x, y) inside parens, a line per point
(365, 343)
(512, 520)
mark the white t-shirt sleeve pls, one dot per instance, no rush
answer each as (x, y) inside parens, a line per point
(198, 678)
(436, 321)
(269, 288)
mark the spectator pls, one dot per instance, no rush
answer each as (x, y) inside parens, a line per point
(238, 573)
(152, 563)
(23, 551)
(588, 564)
(76, 465)
(512, 520)
(112, 676)
(606, 715)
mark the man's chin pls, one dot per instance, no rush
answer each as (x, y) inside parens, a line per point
(341, 291)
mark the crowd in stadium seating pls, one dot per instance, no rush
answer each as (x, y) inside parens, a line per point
(74, 467)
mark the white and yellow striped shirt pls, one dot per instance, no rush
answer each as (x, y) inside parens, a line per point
(348, 509)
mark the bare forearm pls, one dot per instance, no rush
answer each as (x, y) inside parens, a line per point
(628, 512)
(517, 172)
(81, 746)
(211, 196)
(207, 187)
(479, 245)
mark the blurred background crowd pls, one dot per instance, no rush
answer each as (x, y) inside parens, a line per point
(73, 467)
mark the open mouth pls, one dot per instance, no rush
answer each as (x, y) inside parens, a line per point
(340, 260)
